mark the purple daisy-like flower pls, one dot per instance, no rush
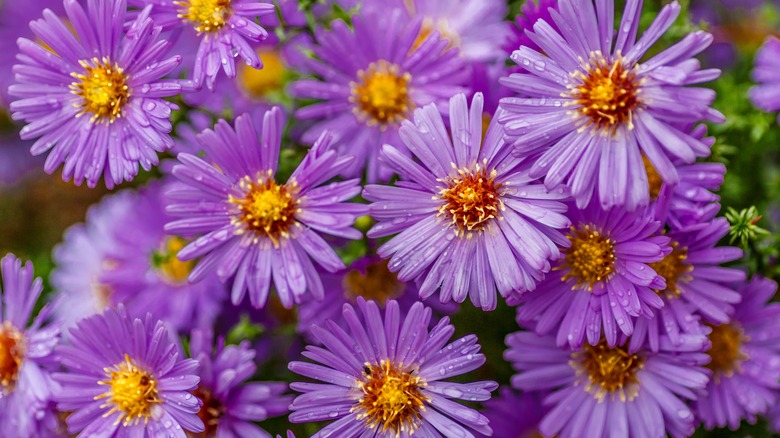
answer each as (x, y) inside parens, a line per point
(515, 415)
(603, 281)
(125, 377)
(602, 391)
(253, 228)
(384, 376)
(745, 354)
(25, 354)
(589, 110)
(766, 95)
(468, 218)
(370, 78)
(531, 12)
(222, 29)
(696, 284)
(230, 405)
(93, 97)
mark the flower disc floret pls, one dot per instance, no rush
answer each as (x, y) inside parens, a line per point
(132, 392)
(726, 350)
(11, 356)
(267, 208)
(591, 256)
(673, 268)
(381, 94)
(378, 283)
(103, 88)
(391, 398)
(609, 369)
(205, 15)
(471, 198)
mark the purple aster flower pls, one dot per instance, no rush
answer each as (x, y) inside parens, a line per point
(766, 95)
(384, 376)
(514, 414)
(745, 354)
(468, 218)
(531, 12)
(370, 79)
(25, 354)
(589, 109)
(222, 29)
(604, 279)
(602, 391)
(125, 377)
(251, 226)
(696, 284)
(15, 160)
(230, 405)
(98, 103)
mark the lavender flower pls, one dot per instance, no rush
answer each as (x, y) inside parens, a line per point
(250, 226)
(25, 354)
(531, 12)
(385, 376)
(766, 95)
(230, 405)
(602, 391)
(745, 355)
(514, 414)
(469, 219)
(604, 278)
(370, 79)
(589, 110)
(99, 102)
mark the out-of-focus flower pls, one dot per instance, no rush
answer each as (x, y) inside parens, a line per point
(513, 414)
(26, 354)
(124, 377)
(385, 376)
(468, 218)
(93, 97)
(531, 12)
(252, 228)
(589, 110)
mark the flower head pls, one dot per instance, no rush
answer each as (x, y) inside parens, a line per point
(252, 227)
(515, 415)
(392, 380)
(766, 95)
(590, 110)
(98, 104)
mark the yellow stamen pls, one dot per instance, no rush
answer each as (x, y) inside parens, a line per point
(673, 268)
(132, 392)
(654, 180)
(261, 83)
(171, 269)
(391, 398)
(591, 257)
(726, 350)
(378, 283)
(381, 95)
(471, 199)
(609, 370)
(102, 88)
(11, 357)
(206, 15)
(267, 209)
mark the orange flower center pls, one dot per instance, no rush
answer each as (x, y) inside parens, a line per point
(391, 398)
(471, 199)
(11, 357)
(726, 352)
(590, 258)
(381, 95)
(673, 269)
(609, 370)
(267, 209)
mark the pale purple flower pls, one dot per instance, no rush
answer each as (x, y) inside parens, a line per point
(515, 414)
(531, 12)
(766, 95)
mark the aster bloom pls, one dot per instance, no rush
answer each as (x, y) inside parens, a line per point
(384, 376)
(25, 354)
(468, 218)
(602, 391)
(222, 29)
(696, 284)
(251, 226)
(373, 77)
(513, 414)
(603, 281)
(531, 12)
(99, 103)
(124, 377)
(230, 404)
(589, 110)
(766, 95)
(745, 354)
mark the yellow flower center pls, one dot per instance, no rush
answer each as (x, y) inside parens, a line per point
(673, 268)
(11, 357)
(609, 370)
(267, 209)
(471, 199)
(591, 257)
(102, 88)
(378, 283)
(608, 95)
(654, 180)
(206, 15)
(726, 352)
(391, 398)
(170, 268)
(132, 392)
(381, 95)
(260, 83)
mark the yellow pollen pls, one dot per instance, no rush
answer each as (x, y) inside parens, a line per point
(132, 392)
(391, 398)
(673, 269)
(206, 15)
(381, 95)
(654, 180)
(260, 83)
(471, 199)
(591, 257)
(267, 209)
(170, 268)
(726, 350)
(102, 88)
(11, 357)
(378, 283)
(608, 94)
(609, 370)
(210, 413)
